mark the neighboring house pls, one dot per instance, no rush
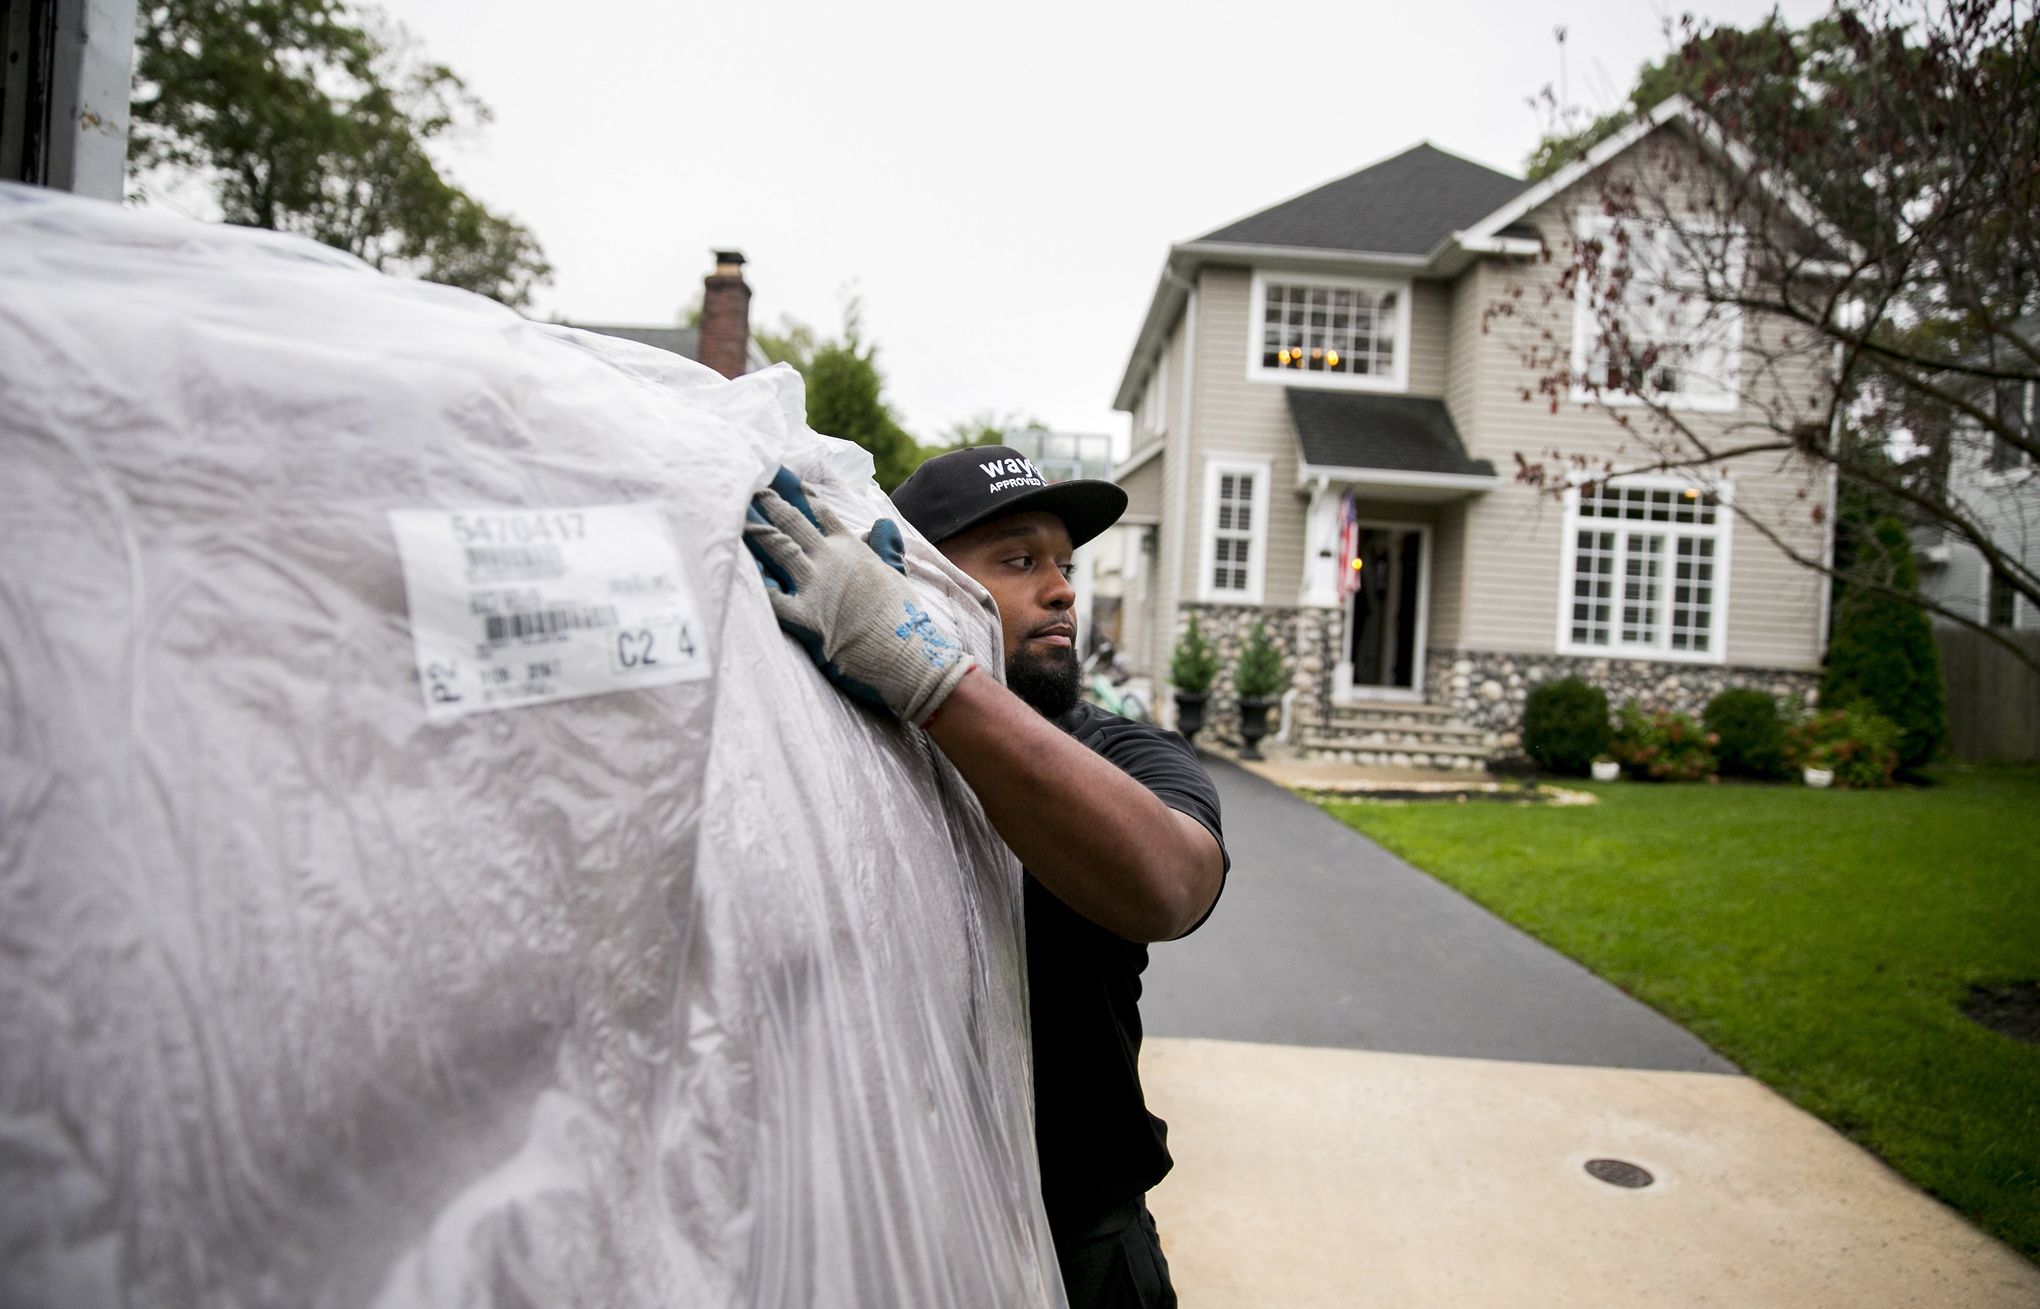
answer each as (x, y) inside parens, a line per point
(722, 339)
(1316, 390)
(1996, 483)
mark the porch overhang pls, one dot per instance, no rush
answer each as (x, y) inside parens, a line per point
(1391, 484)
(1393, 447)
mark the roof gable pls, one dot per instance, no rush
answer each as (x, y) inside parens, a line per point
(1403, 205)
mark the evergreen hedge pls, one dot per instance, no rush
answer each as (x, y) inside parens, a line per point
(1751, 734)
(1565, 725)
(1882, 655)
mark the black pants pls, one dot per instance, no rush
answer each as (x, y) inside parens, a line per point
(1116, 1262)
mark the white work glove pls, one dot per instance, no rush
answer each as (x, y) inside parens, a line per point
(849, 604)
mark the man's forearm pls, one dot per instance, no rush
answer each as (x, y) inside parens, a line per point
(1096, 838)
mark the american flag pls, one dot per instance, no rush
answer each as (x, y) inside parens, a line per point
(1349, 547)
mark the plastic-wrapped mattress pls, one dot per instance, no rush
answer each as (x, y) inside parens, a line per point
(427, 876)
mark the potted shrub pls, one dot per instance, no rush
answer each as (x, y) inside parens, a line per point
(1192, 666)
(1606, 768)
(1259, 675)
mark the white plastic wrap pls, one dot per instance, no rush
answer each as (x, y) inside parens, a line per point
(704, 994)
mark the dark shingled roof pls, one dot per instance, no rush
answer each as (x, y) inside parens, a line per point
(1405, 433)
(1405, 205)
(680, 340)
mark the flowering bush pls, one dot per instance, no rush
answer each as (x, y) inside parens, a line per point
(1859, 744)
(1663, 747)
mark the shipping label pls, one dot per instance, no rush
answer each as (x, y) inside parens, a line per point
(514, 607)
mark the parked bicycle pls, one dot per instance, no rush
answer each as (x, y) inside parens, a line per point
(1104, 678)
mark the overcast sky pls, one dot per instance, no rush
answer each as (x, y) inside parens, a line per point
(998, 185)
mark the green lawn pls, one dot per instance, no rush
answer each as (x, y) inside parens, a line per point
(1823, 940)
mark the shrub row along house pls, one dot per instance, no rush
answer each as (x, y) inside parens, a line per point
(1327, 422)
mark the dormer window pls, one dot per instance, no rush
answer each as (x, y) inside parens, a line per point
(1334, 332)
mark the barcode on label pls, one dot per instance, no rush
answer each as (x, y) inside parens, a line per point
(514, 558)
(499, 628)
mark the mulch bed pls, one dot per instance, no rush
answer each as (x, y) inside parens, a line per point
(2012, 1009)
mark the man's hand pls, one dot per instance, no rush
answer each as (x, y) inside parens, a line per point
(850, 605)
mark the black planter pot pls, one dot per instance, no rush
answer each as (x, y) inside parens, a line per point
(1189, 714)
(1253, 723)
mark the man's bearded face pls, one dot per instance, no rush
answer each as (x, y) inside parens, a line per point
(1046, 678)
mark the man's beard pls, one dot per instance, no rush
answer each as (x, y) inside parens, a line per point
(1045, 679)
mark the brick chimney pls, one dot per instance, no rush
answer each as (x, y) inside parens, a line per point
(726, 316)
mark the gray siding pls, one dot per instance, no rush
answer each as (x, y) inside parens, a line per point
(2006, 505)
(1515, 537)
(1237, 416)
(1143, 487)
(1430, 337)
(1233, 417)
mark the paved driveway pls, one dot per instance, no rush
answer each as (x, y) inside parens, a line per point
(1380, 1095)
(1323, 938)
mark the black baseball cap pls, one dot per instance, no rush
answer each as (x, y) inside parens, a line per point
(955, 492)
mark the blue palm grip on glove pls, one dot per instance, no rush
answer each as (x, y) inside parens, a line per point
(885, 540)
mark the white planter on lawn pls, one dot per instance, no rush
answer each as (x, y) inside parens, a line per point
(1820, 778)
(1606, 770)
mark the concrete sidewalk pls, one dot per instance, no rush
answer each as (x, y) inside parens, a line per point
(1409, 1089)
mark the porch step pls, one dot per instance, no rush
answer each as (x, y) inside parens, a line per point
(1393, 733)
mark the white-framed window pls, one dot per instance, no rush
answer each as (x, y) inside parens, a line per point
(1664, 342)
(1234, 556)
(1345, 332)
(2000, 601)
(1154, 401)
(1646, 570)
(2015, 409)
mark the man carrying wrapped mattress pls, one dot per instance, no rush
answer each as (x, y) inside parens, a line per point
(1116, 822)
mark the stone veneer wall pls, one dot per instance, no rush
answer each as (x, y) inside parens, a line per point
(1486, 690)
(1308, 638)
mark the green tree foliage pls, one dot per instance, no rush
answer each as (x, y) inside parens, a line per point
(1193, 664)
(1565, 725)
(1882, 656)
(1260, 671)
(846, 393)
(1750, 736)
(297, 116)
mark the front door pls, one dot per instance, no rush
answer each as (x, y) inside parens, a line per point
(1385, 616)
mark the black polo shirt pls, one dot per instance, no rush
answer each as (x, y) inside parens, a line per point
(1099, 1146)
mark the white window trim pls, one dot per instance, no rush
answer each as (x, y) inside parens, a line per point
(2022, 465)
(2019, 606)
(1215, 466)
(1397, 382)
(1721, 530)
(1592, 223)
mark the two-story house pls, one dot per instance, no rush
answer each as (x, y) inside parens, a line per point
(1326, 425)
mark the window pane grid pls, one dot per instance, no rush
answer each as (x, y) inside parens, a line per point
(1232, 532)
(1660, 542)
(1349, 331)
(1593, 587)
